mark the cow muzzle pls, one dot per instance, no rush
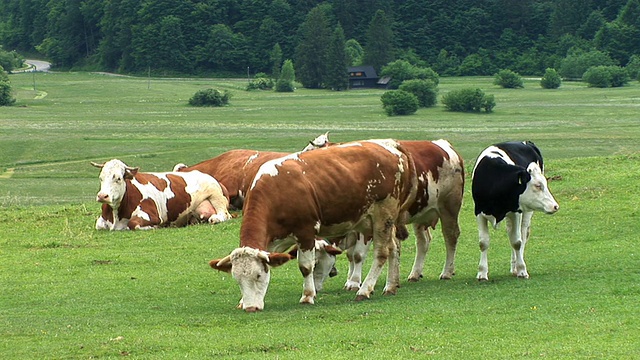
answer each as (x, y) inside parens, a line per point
(102, 198)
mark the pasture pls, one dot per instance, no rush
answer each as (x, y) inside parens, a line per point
(71, 292)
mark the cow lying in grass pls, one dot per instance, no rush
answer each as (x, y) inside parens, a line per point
(136, 200)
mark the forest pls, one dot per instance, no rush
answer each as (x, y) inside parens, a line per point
(237, 37)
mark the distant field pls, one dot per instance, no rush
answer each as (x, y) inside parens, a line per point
(90, 117)
(70, 292)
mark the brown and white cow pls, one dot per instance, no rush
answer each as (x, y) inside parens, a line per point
(136, 200)
(360, 186)
(440, 172)
(235, 169)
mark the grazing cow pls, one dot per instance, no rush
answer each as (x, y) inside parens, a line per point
(360, 186)
(508, 182)
(440, 172)
(137, 200)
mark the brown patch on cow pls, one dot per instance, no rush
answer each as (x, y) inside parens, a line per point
(107, 213)
(181, 201)
(146, 178)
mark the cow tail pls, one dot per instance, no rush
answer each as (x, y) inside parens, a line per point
(409, 190)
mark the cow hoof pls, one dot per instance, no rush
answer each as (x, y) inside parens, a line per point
(361, 297)
(482, 278)
(390, 292)
(445, 277)
(414, 278)
(306, 300)
(523, 276)
(349, 286)
(252, 309)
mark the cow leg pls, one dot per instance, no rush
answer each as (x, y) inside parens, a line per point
(483, 232)
(451, 232)
(423, 242)
(519, 254)
(138, 223)
(393, 274)
(356, 255)
(514, 230)
(383, 243)
(306, 263)
(220, 207)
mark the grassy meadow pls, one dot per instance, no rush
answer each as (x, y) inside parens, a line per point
(71, 292)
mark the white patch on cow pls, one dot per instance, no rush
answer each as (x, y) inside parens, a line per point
(250, 270)
(160, 198)
(271, 167)
(251, 158)
(350, 144)
(317, 226)
(493, 152)
(446, 146)
(388, 144)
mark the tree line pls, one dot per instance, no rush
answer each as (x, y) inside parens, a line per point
(231, 37)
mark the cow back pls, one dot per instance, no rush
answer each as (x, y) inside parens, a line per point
(235, 170)
(325, 192)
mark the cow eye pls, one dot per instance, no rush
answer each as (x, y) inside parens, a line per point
(539, 187)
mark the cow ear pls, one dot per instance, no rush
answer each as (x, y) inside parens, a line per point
(130, 172)
(223, 264)
(332, 250)
(277, 259)
(523, 177)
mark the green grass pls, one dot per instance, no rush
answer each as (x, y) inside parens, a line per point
(70, 292)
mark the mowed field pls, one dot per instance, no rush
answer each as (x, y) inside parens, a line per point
(71, 292)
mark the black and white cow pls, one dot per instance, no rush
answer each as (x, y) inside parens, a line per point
(508, 182)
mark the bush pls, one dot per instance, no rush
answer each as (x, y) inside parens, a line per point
(468, 100)
(606, 76)
(287, 76)
(633, 67)
(5, 94)
(551, 79)
(260, 83)
(508, 79)
(210, 97)
(425, 91)
(575, 64)
(399, 102)
(401, 70)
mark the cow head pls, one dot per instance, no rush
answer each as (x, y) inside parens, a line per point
(113, 178)
(319, 142)
(536, 196)
(250, 267)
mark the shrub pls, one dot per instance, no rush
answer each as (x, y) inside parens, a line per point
(468, 100)
(287, 76)
(6, 98)
(260, 83)
(425, 91)
(508, 79)
(210, 97)
(606, 76)
(399, 102)
(551, 79)
(633, 67)
(575, 64)
(401, 70)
